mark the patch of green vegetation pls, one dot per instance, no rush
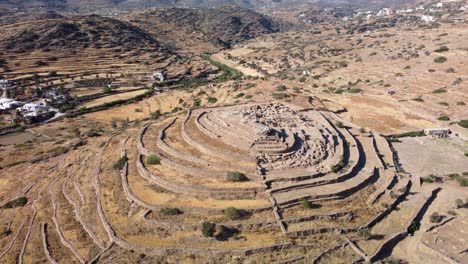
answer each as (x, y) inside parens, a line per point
(439, 91)
(232, 213)
(419, 133)
(418, 99)
(339, 166)
(339, 124)
(440, 59)
(365, 233)
(208, 229)
(228, 72)
(443, 118)
(235, 176)
(119, 165)
(355, 90)
(431, 179)
(461, 103)
(442, 49)
(153, 159)
(463, 123)
(170, 211)
(436, 217)
(18, 202)
(212, 100)
(339, 91)
(414, 227)
(239, 95)
(306, 204)
(106, 89)
(443, 103)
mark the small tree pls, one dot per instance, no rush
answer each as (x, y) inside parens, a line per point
(306, 204)
(232, 213)
(170, 211)
(436, 217)
(106, 89)
(459, 203)
(236, 177)
(440, 59)
(118, 165)
(153, 159)
(155, 115)
(365, 233)
(339, 124)
(414, 227)
(208, 229)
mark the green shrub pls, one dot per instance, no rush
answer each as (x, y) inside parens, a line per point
(443, 118)
(21, 201)
(462, 181)
(155, 115)
(106, 89)
(153, 159)
(235, 176)
(365, 233)
(463, 123)
(232, 213)
(208, 229)
(119, 165)
(170, 211)
(339, 166)
(440, 59)
(439, 91)
(442, 49)
(212, 100)
(339, 124)
(418, 99)
(461, 103)
(414, 227)
(355, 90)
(306, 204)
(443, 103)
(436, 217)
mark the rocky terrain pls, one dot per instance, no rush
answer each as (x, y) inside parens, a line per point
(58, 32)
(192, 28)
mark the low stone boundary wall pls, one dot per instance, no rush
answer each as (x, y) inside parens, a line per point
(228, 155)
(317, 259)
(188, 189)
(395, 239)
(337, 195)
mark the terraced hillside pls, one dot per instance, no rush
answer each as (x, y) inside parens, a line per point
(210, 184)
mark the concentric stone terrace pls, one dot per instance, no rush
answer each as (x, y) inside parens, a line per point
(268, 176)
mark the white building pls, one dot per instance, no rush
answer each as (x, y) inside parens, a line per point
(31, 107)
(158, 76)
(427, 18)
(6, 103)
(437, 132)
(384, 12)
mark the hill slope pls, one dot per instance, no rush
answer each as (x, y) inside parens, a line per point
(71, 33)
(221, 27)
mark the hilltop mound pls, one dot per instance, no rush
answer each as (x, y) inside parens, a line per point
(73, 32)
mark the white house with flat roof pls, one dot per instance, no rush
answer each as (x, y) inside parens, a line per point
(6, 103)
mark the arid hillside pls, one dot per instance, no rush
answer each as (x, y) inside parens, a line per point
(225, 135)
(194, 29)
(72, 33)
